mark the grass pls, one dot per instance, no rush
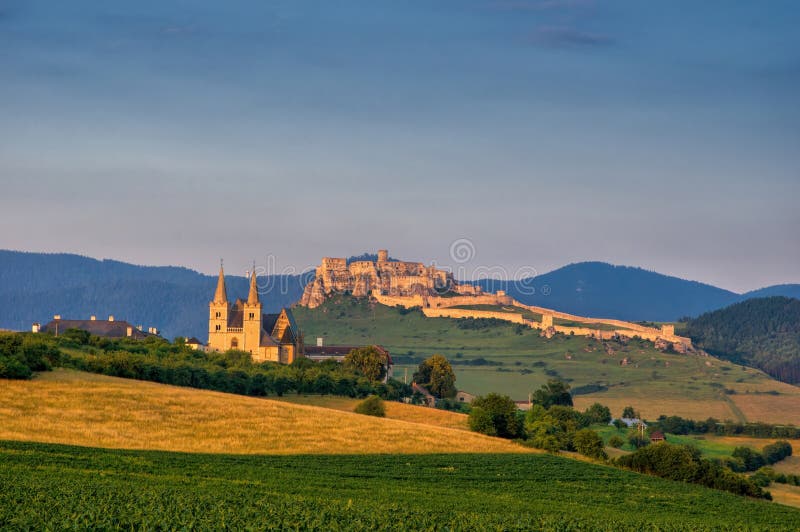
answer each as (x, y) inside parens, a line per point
(56, 487)
(654, 382)
(394, 410)
(93, 410)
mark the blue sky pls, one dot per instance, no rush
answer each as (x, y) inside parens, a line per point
(664, 135)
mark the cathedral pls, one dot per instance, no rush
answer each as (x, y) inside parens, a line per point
(242, 326)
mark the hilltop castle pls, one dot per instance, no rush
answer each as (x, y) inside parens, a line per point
(267, 337)
(439, 295)
(383, 277)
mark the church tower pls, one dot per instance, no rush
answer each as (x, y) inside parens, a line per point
(251, 321)
(218, 311)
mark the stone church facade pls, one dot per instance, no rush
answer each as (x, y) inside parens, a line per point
(243, 326)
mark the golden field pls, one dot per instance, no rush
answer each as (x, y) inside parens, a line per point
(78, 408)
(394, 410)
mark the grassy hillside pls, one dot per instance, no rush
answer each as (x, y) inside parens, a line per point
(499, 356)
(93, 410)
(761, 332)
(92, 488)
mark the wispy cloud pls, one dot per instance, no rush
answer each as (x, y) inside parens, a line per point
(568, 37)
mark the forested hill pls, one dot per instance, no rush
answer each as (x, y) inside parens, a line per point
(35, 286)
(623, 292)
(760, 332)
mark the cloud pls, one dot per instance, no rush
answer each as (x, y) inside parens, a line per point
(568, 37)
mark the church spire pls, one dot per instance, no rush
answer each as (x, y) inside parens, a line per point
(221, 296)
(252, 297)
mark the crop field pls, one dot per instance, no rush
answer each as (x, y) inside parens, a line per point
(94, 410)
(56, 487)
(394, 410)
(516, 360)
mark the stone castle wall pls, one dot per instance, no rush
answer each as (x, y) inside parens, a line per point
(456, 313)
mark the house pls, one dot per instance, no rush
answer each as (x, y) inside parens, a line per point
(429, 399)
(630, 422)
(319, 353)
(657, 436)
(110, 328)
(195, 344)
(464, 397)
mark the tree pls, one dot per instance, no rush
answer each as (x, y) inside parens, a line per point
(480, 420)
(588, 443)
(777, 451)
(371, 406)
(750, 459)
(598, 413)
(368, 361)
(502, 412)
(629, 412)
(555, 392)
(436, 374)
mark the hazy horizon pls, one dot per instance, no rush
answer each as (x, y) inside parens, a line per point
(546, 132)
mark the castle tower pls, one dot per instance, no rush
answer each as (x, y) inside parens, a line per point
(218, 311)
(251, 321)
(383, 255)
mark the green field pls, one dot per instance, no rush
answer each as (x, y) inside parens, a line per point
(519, 361)
(57, 487)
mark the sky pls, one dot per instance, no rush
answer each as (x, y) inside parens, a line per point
(536, 133)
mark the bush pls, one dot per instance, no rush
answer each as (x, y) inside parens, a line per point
(371, 406)
(616, 442)
(683, 463)
(21, 355)
(588, 443)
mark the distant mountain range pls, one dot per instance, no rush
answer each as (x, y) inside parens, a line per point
(35, 286)
(603, 290)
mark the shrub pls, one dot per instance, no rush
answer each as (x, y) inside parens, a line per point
(588, 443)
(683, 463)
(371, 406)
(616, 442)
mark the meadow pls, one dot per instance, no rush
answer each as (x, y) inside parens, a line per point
(77, 408)
(55, 487)
(497, 356)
